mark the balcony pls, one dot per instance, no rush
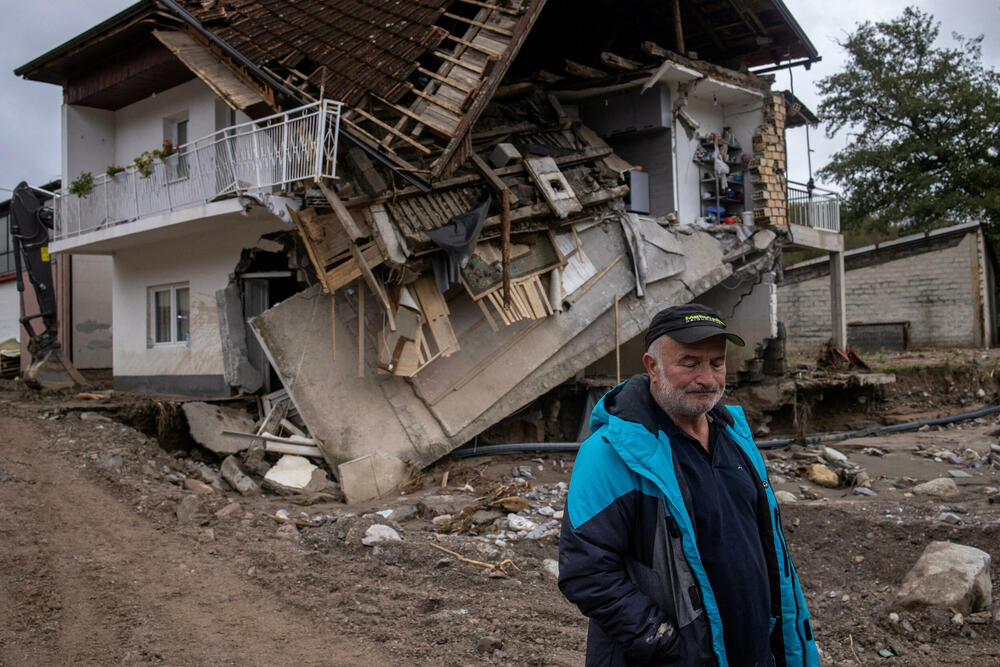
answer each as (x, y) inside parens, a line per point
(255, 158)
(817, 208)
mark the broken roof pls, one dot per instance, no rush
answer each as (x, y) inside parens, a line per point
(414, 75)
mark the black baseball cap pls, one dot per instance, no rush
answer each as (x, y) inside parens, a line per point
(689, 323)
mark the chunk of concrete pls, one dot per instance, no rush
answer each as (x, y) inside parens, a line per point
(378, 532)
(949, 575)
(503, 155)
(188, 509)
(232, 473)
(198, 486)
(371, 476)
(942, 487)
(295, 474)
(206, 423)
(432, 506)
(785, 497)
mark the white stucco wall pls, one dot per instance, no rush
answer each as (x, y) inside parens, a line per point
(88, 141)
(91, 308)
(205, 262)
(141, 126)
(10, 311)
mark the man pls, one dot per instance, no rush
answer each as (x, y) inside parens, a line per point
(671, 542)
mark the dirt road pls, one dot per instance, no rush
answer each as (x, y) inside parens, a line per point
(85, 580)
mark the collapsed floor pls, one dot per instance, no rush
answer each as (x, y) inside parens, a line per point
(313, 567)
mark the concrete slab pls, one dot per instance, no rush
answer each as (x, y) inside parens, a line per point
(295, 474)
(206, 423)
(372, 476)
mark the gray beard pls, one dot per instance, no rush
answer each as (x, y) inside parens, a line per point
(676, 401)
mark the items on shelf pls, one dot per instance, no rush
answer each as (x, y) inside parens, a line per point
(723, 160)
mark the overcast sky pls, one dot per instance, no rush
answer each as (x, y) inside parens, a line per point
(29, 113)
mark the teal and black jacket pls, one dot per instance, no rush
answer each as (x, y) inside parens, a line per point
(628, 557)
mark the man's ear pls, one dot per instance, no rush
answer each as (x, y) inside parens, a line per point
(650, 362)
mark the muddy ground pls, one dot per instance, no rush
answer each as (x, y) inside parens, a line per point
(97, 568)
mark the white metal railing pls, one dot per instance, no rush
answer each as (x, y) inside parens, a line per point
(819, 208)
(254, 158)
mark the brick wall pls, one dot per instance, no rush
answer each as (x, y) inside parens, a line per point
(932, 290)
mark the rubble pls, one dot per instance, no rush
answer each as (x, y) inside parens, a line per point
(234, 475)
(949, 575)
(942, 487)
(295, 474)
(378, 533)
(207, 422)
(823, 476)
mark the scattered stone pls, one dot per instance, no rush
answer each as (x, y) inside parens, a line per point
(970, 454)
(236, 478)
(402, 513)
(188, 508)
(546, 511)
(863, 491)
(198, 486)
(906, 625)
(958, 619)
(990, 490)
(873, 451)
(949, 517)
(980, 393)
(518, 522)
(489, 644)
(377, 533)
(441, 519)
(550, 567)
(295, 474)
(113, 462)
(480, 517)
(823, 476)
(886, 653)
(94, 417)
(833, 456)
(432, 506)
(173, 478)
(206, 423)
(859, 559)
(959, 473)
(894, 617)
(558, 514)
(785, 497)
(942, 487)
(949, 575)
(229, 510)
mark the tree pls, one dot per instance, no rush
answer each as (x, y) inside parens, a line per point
(926, 152)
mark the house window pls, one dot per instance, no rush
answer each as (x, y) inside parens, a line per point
(175, 130)
(169, 314)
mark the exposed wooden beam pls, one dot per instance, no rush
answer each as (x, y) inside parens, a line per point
(618, 62)
(492, 178)
(654, 49)
(446, 81)
(496, 8)
(385, 126)
(416, 117)
(678, 28)
(451, 108)
(584, 71)
(471, 45)
(485, 26)
(458, 62)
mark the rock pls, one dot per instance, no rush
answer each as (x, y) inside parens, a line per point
(546, 511)
(833, 456)
(378, 532)
(823, 476)
(113, 462)
(206, 423)
(894, 617)
(980, 393)
(295, 474)
(949, 517)
(236, 478)
(785, 497)
(441, 519)
(198, 486)
(489, 644)
(863, 480)
(942, 487)
(949, 575)
(959, 473)
(958, 619)
(518, 522)
(188, 508)
(232, 509)
(550, 567)
(94, 417)
(970, 454)
(558, 514)
(432, 506)
(863, 491)
(402, 513)
(173, 478)
(480, 517)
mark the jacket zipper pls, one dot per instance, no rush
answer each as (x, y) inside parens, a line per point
(781, 538)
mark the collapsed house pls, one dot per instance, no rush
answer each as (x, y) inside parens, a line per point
(437, 212)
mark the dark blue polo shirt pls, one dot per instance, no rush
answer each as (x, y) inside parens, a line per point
(723, 505)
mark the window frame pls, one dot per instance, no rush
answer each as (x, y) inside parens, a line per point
(151, 321)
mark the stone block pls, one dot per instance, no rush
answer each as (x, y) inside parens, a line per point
(949, 575)
(295, 474)
(371, 476)
(234, 475)
(503, 155)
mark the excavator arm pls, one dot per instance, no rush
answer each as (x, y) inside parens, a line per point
(30, 223)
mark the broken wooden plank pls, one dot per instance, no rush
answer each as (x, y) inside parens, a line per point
(310, 250)
(593, 281)
(487, 316)
(494, 7)
(340, 211)
(492, 178)
(396, 133)
(654, 49)
(479, 24)
(458, 62)
(435, 310)
(417, 117)
(619, 62)
(349, 270)
(553, 185)
(361, 328)
(584, 71)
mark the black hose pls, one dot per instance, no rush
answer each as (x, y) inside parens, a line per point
(516, 447)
